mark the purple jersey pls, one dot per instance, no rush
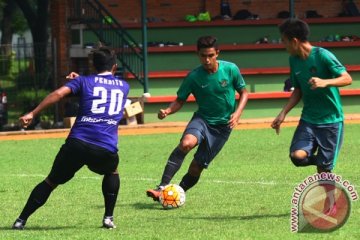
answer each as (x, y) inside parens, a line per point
(101, 106)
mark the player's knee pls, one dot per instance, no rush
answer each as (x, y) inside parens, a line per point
(186, 145)
(298, 158)
(299, 154)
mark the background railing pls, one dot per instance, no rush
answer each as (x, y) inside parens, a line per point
(110, 33)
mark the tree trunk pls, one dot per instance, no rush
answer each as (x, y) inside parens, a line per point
(6, 29)
(37, 18)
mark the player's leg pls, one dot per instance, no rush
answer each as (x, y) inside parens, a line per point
(188, 142)
(190, 139)
(110, 190)
(104, 162)
(303, 145)
(214, 138)
(37, 198)
(174, 163)
(329, 138)
(63, 169)
(191, 178)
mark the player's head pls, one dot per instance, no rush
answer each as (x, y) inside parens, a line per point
(207, 42)
(294, 32)
(208, 51)
(104, 59)
(295, 28)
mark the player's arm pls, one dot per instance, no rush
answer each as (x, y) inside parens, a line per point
(293, 100)
(172, 108)
(234, 118)
(50, 99)
(343, 80)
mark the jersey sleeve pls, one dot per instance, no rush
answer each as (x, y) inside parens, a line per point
(333, 64)
(74, 85)
(185, 88)
(238, 80)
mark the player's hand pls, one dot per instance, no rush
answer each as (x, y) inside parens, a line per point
(72, 75)
(162, 114)
(234, 120)
(26, 120)
(277, 122)
(316, 82)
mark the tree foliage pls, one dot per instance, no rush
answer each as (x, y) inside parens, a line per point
(17, 23)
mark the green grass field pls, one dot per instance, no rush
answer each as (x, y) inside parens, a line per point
(245, 193)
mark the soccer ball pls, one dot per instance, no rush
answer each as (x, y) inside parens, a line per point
(172, 196)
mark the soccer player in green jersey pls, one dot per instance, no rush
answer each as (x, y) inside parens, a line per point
(316, 75)
(214, 85)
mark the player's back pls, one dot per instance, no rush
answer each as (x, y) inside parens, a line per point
(101, 104)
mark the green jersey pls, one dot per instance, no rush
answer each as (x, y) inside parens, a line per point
(321, 105)
(214, 92)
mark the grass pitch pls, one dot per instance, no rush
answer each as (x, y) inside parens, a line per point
(245, 193)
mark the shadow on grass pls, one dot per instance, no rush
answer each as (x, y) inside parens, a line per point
(138, 205)
(150, 205)
(38, 228)
(249, 217)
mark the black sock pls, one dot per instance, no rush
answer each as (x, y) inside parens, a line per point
(188, 181)
(37, 198)
(312, 160)
(172, 166)
(110, 189)
(304, 162)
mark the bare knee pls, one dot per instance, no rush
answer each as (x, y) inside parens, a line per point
(299, 154)
(299, 158)
(187, 143)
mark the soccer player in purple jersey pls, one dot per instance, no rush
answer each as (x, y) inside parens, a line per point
(92, 140)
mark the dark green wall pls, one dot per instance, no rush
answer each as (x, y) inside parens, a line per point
(242, 34)
(254, 109)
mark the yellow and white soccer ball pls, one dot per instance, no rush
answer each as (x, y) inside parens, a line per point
(172, 196)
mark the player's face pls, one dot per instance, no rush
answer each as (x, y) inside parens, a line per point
(208, 58)
(290, 45)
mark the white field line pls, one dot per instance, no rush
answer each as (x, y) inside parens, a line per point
(155, 180)
(271, 183)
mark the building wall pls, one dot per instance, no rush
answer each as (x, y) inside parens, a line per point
(175, 10)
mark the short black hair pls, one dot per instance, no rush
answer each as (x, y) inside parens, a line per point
(207, 42)
(295, 28)
(103, 59)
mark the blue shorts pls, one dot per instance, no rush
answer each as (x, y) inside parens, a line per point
(322, 140)
(211, 139)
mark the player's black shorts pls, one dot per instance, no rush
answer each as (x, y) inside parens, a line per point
(74, 154)
(211, 139)
(324, 140)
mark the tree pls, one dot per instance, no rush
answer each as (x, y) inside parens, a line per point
(36, 13)
(12, 21)
(6, 27)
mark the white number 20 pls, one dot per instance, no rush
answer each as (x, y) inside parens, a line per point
(116, 98)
